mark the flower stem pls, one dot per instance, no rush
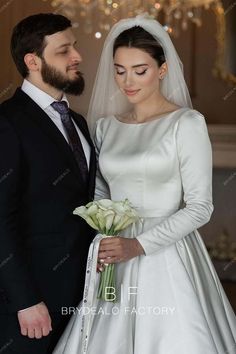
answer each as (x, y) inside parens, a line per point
(107, 283)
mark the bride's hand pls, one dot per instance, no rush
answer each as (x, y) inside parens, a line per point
(100, 267)
(118, 249)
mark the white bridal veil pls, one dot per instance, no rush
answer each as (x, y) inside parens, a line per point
(107, 99)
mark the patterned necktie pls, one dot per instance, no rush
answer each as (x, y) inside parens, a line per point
(73, 137)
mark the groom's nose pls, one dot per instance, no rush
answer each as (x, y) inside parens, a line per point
(76, 56)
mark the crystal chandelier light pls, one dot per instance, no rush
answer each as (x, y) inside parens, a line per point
(96, 16)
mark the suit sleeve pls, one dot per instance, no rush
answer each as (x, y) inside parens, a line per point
(195, 161)
(102, 190)
(15, 276)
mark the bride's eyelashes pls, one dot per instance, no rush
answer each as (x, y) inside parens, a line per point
(120, 72)
(142, 72)
(138, 73)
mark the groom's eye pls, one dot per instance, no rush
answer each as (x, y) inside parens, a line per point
(63, 51)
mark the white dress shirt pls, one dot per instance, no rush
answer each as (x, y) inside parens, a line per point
(44, 101)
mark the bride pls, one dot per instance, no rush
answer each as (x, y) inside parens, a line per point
(153, 149)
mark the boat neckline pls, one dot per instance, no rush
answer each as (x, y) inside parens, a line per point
(150, 121)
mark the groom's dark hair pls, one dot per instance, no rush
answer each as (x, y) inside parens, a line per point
(29, 36)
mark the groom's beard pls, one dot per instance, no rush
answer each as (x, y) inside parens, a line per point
(55, 78)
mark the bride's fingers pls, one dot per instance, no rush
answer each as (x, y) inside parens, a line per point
(107, 247)
(110, 241)
(111, 247)
(107, 254)
(110, 260)
(100, 268)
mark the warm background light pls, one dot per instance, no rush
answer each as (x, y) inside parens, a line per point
(176, 14)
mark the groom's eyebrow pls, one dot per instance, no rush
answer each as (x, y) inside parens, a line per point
(133, 66)
(66, 45)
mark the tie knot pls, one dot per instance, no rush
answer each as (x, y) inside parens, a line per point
(61, 107)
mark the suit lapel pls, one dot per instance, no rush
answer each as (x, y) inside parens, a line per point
(46, 124)
(79, 121)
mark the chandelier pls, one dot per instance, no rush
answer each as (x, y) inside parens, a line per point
(97, 16)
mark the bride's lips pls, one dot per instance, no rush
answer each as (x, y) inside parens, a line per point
(131, 92)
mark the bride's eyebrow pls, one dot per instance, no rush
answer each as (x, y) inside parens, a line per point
(133, 66)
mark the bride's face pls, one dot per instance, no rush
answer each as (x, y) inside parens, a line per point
(137, 74)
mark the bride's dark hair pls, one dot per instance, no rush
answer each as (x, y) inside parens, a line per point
(137, 37)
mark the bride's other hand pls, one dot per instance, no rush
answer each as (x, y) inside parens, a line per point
(118, 249)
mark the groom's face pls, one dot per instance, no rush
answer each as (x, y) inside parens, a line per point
(60, 63)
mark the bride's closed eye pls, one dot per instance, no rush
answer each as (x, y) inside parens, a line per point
(136, 72)
(120, 72)
(141, 72)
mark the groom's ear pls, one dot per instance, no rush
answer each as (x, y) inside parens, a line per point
(32, 62)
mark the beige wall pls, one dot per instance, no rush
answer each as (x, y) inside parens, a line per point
(196, 47)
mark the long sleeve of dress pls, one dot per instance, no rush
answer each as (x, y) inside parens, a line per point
(101, 187)
(195, 163)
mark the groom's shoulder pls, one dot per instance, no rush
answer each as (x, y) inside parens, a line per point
(6, 109)
(5, 105)
(12, 104)
(6, 114)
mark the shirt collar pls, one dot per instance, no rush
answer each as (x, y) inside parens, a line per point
(38, 96)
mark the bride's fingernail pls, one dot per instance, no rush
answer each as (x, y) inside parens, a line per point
(101, 261)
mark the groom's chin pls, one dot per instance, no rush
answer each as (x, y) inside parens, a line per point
(76, 87)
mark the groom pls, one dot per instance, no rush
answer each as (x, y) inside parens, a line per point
(47, 168)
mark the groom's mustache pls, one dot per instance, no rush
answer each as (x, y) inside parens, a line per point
(73, 67)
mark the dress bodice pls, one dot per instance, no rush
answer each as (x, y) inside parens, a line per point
(141, 161)
(157, 165)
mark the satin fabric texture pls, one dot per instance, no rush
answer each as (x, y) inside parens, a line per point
(170, 300)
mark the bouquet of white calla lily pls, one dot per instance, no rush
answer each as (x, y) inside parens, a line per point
(105, 204)
(109, 218)
(82, 211)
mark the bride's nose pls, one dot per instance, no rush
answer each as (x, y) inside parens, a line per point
(128, 79)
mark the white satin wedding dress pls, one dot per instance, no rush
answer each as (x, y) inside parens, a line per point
(170, 300)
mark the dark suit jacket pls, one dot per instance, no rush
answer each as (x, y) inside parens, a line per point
(43, 246)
